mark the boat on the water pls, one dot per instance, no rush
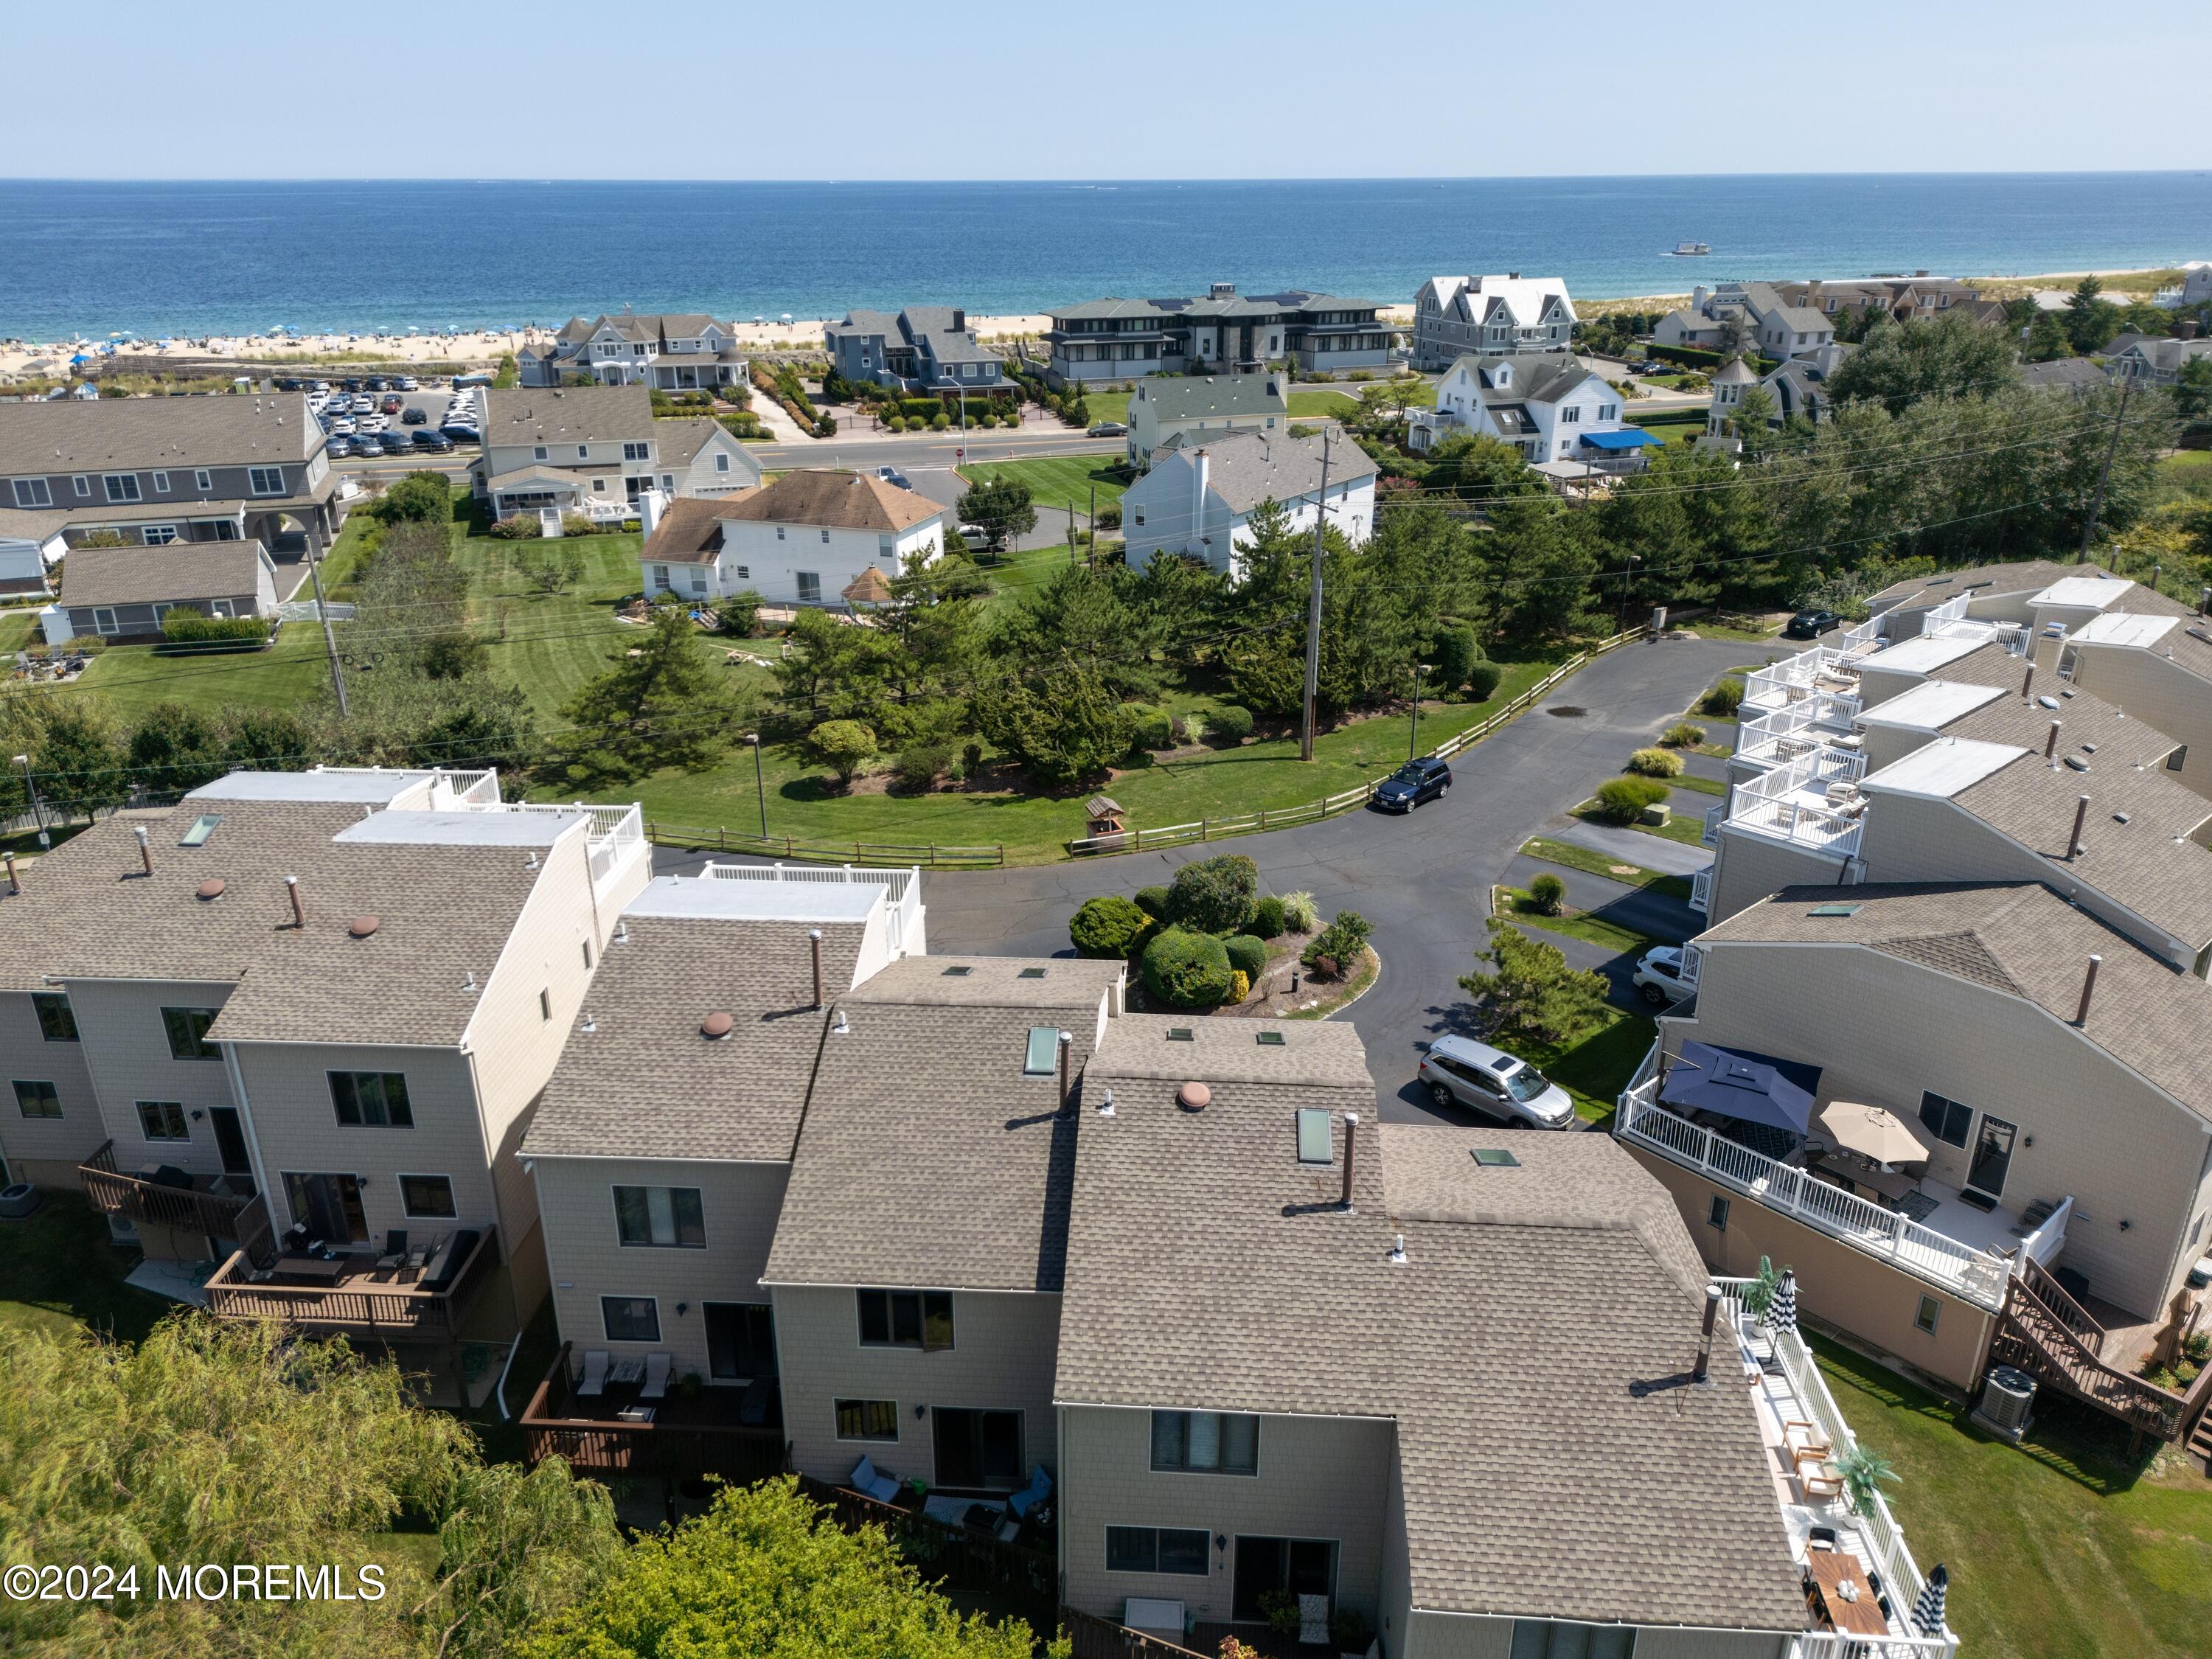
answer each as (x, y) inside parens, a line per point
(1688, 250)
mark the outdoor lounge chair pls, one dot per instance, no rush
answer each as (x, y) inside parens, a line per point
(395, 1251)
(1039, 1488)
(1819, 1480)
(594, 1382)
(1313, 1620)
(657, 1367)
(874, 1482)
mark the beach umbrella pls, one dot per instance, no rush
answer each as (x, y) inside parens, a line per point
(1782, 1312)
(1872, 1132)
(1928, 1611)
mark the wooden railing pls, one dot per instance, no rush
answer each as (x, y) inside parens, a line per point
(219, 1215)
(2046, 1333)
(1090, 1636)
(375, 1309)
(671, 1450)
(958, 1557)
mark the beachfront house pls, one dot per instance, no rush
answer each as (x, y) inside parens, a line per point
(665, 351)
(155, 471)
(597, 450)
(1494, 316)
(1198, 406)
(2151, 360)
(1549, 408)
(920, 349)
(1903, 297)
(1198, 500)
(1116, 339)
(814, 537)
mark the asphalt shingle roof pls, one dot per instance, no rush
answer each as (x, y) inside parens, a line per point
(840, 501)
(139, 434)
(144, 575)
(1245, 468)
(2019, 577)
(1195, 397)
(567, 415)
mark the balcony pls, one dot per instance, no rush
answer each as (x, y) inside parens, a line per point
(1812, 802)
(1701, 890)
(220, 1206)
(614, 842)
(901, 891)
(352, 1297)
(736, 1433)
(1797, 728)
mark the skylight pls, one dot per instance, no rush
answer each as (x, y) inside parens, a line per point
(1313, 1135)
(1044, 1039)
(203, 827)
(1270, 1039)
(1181, 1034)
(1031, 973)
(1835, 910)
(958, 973)
(1496, 1157)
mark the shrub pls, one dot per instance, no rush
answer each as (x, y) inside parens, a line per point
(1547, 895)
(896, 423)
(1340, 942)
(1725, 698)
(1110, 518)
(919, 766)
(578, 524)
(1216, 895)
(1228, 725)
(1267, 918)
(1682, 734)
(1299, 916)
(971, 758)
(1108, 927)
(1153, 901)
(1154, 727)
(1248, 954)
(182, 626)
(844, 746)
(1482, 680)
(740, 612)
(1240, 986)
(1186, 970)
(1622, 800)
(514, 527)
(1456, 652)
(939, 421)
(1656, 763)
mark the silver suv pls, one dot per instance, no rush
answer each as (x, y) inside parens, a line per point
(1458, 1070)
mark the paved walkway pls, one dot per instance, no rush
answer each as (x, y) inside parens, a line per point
(1668, 858)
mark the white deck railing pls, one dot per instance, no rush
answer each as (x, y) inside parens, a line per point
(1790, 801)
(1796, 729)
(1701, 890)
(1823, 668)
(901, 896)
(1971, 1274)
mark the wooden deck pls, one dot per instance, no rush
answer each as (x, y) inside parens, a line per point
(688, 1439)
(363, 1303)
(209, 1205)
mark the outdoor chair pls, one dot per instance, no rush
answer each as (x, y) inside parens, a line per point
(395, 1251)
(1313, 1620)
(1039, 1489)
(657, 1367)
(874, 1482)
(1820, 1538)
(594, 1382)
(1820, 1481)
(418, 1259)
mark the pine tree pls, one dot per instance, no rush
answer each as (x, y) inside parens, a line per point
(663, 706)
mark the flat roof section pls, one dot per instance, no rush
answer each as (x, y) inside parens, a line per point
(2123, 627)
(405, 828)
(1942, 770)
(1931, 706)
(756, 901)
(1924, 654)
(2084, 593)
(369, 788)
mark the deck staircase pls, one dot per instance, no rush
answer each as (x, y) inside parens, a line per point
(2047, 1333)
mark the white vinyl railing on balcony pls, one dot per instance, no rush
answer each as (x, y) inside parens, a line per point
(903, 888)
(1797, 803)
(1710, 835)
(1701, 890)
(1973, 1276)
(1822, 668)
(1796, 729)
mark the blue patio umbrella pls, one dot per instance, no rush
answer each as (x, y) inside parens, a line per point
(1928, 1611)
(1738, 1084)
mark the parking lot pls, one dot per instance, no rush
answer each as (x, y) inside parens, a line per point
(429, 398)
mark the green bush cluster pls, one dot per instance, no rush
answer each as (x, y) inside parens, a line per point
(514, 527)
(1724, 699)
(1267, 921)
(1299, 913)
(1547, 893)
(1482, 680)
(1154, 728)
(919, 766)
(1110, 927)
(1153, 901)
(1656, 763)
(1214, 895)
(182, 626)
(1340, 942)
(1228, 725)
(1683, 734)
(1622, 800)
(1248, 954)
(1188, 969)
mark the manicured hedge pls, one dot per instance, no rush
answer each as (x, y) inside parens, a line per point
(1186, 970)
(184, 627)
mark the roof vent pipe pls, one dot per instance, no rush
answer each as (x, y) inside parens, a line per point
(2051, 743)
(145, 848)
(1703, 1369)
(1067, 1047)
(2028, 682)
(814, 940)
(2088, 985)
(1351, 1141)
(1106, 1106)
(292, 892)
(2204, 601)
(14, 881)
(2080, 815)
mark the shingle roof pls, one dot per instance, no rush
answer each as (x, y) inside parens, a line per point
(567, 415)
(1245, 468)
(1534, 378)
(1193, 396)
(2064, 373)
(1567, 1281)
(840, 501)
(143, 433)
(2018, 576)
(637, 1078)
(568, 477)
(928, 1157)
(2020, 940)
(677, 443)
(144, 575)
(690, 530)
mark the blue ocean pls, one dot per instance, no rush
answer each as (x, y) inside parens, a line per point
(226, 258)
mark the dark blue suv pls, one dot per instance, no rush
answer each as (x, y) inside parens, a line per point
(1417, 780)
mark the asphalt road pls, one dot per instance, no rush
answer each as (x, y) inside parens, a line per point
(1421, 879)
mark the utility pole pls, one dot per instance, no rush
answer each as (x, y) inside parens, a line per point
(1071, 532)
(1313, 610)
(330, 637)
(2097, 506)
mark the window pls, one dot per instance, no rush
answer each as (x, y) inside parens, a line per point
(1716, 1214)
(1155, 1549)
(810, 586)
(122, 487)
(1314, 1142)
(637, 452)
(538, 454)
(1043, 1040)
(868, 1420)
(159, 535)
(372, 1099)
(103, 620)
(583, 451)
(264, 480)
(1568, 417)
(779, 532)
(825, 536)
(884, 548)
(427, 1196)
(1206, 1442)
(202, 478)
(161, 484)
(630, 1318)
(83, 485)
(162, 1120)
(1925, 1317)
(2177, 759)
(33, 492)
(226, 530)
(744, 572)
(37, 1099)
(906, 1319)
(660, 575)
(721, 465)
(57, 1019)
(187, 1028)
(1539, 1639)
(667, 1216)
(1946, 1120)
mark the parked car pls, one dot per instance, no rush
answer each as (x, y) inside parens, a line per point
(338, 447)
(1811, 624)
(393, 404)
(1110, 430)
(460, 431)
(436, 442)
(407, 383)
(396, 442)
(376, 383)
(341, 427)
(1417, 780)
(413, 416)
(1658, 976)
(892, 475)
(352, 383)
(1458, 1070)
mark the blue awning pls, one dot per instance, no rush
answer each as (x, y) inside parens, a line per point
(1627, 437)
(1738, 1083)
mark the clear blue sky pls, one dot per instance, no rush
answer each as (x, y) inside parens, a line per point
(1267, 88)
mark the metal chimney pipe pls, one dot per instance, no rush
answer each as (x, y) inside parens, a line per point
(814, 939)
(2081, 816)
(1067, 1047)
(1703, 1369)
(2027, 682)
(2088, 985)
(145, 848)
(292, 891)
(1351, 1143)
(14, 881)
(2204, 601)
(2051, 743)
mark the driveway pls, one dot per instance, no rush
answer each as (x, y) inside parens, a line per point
(1421, 879)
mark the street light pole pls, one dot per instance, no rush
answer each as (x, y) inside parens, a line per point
(760, 782)
(38, 813)
(1413, 737)
(1627, 574)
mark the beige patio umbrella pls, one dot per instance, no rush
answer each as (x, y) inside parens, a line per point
(1874, 1132)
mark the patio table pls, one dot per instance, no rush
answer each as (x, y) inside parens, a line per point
(1833, 1569)
(313, 1267)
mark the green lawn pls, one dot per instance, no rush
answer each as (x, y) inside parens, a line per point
(19, 627)
(1056, 480)
(133, 678)
(1324, 402)
(1591, 929)
(549, 644)
(1690, 780)
(1107, 405)
(1214, 784)
(1594, 1066)
(57, 1271)
(2061, 1549)
(1685, 826)
(1670, 425)
(1569, 856)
